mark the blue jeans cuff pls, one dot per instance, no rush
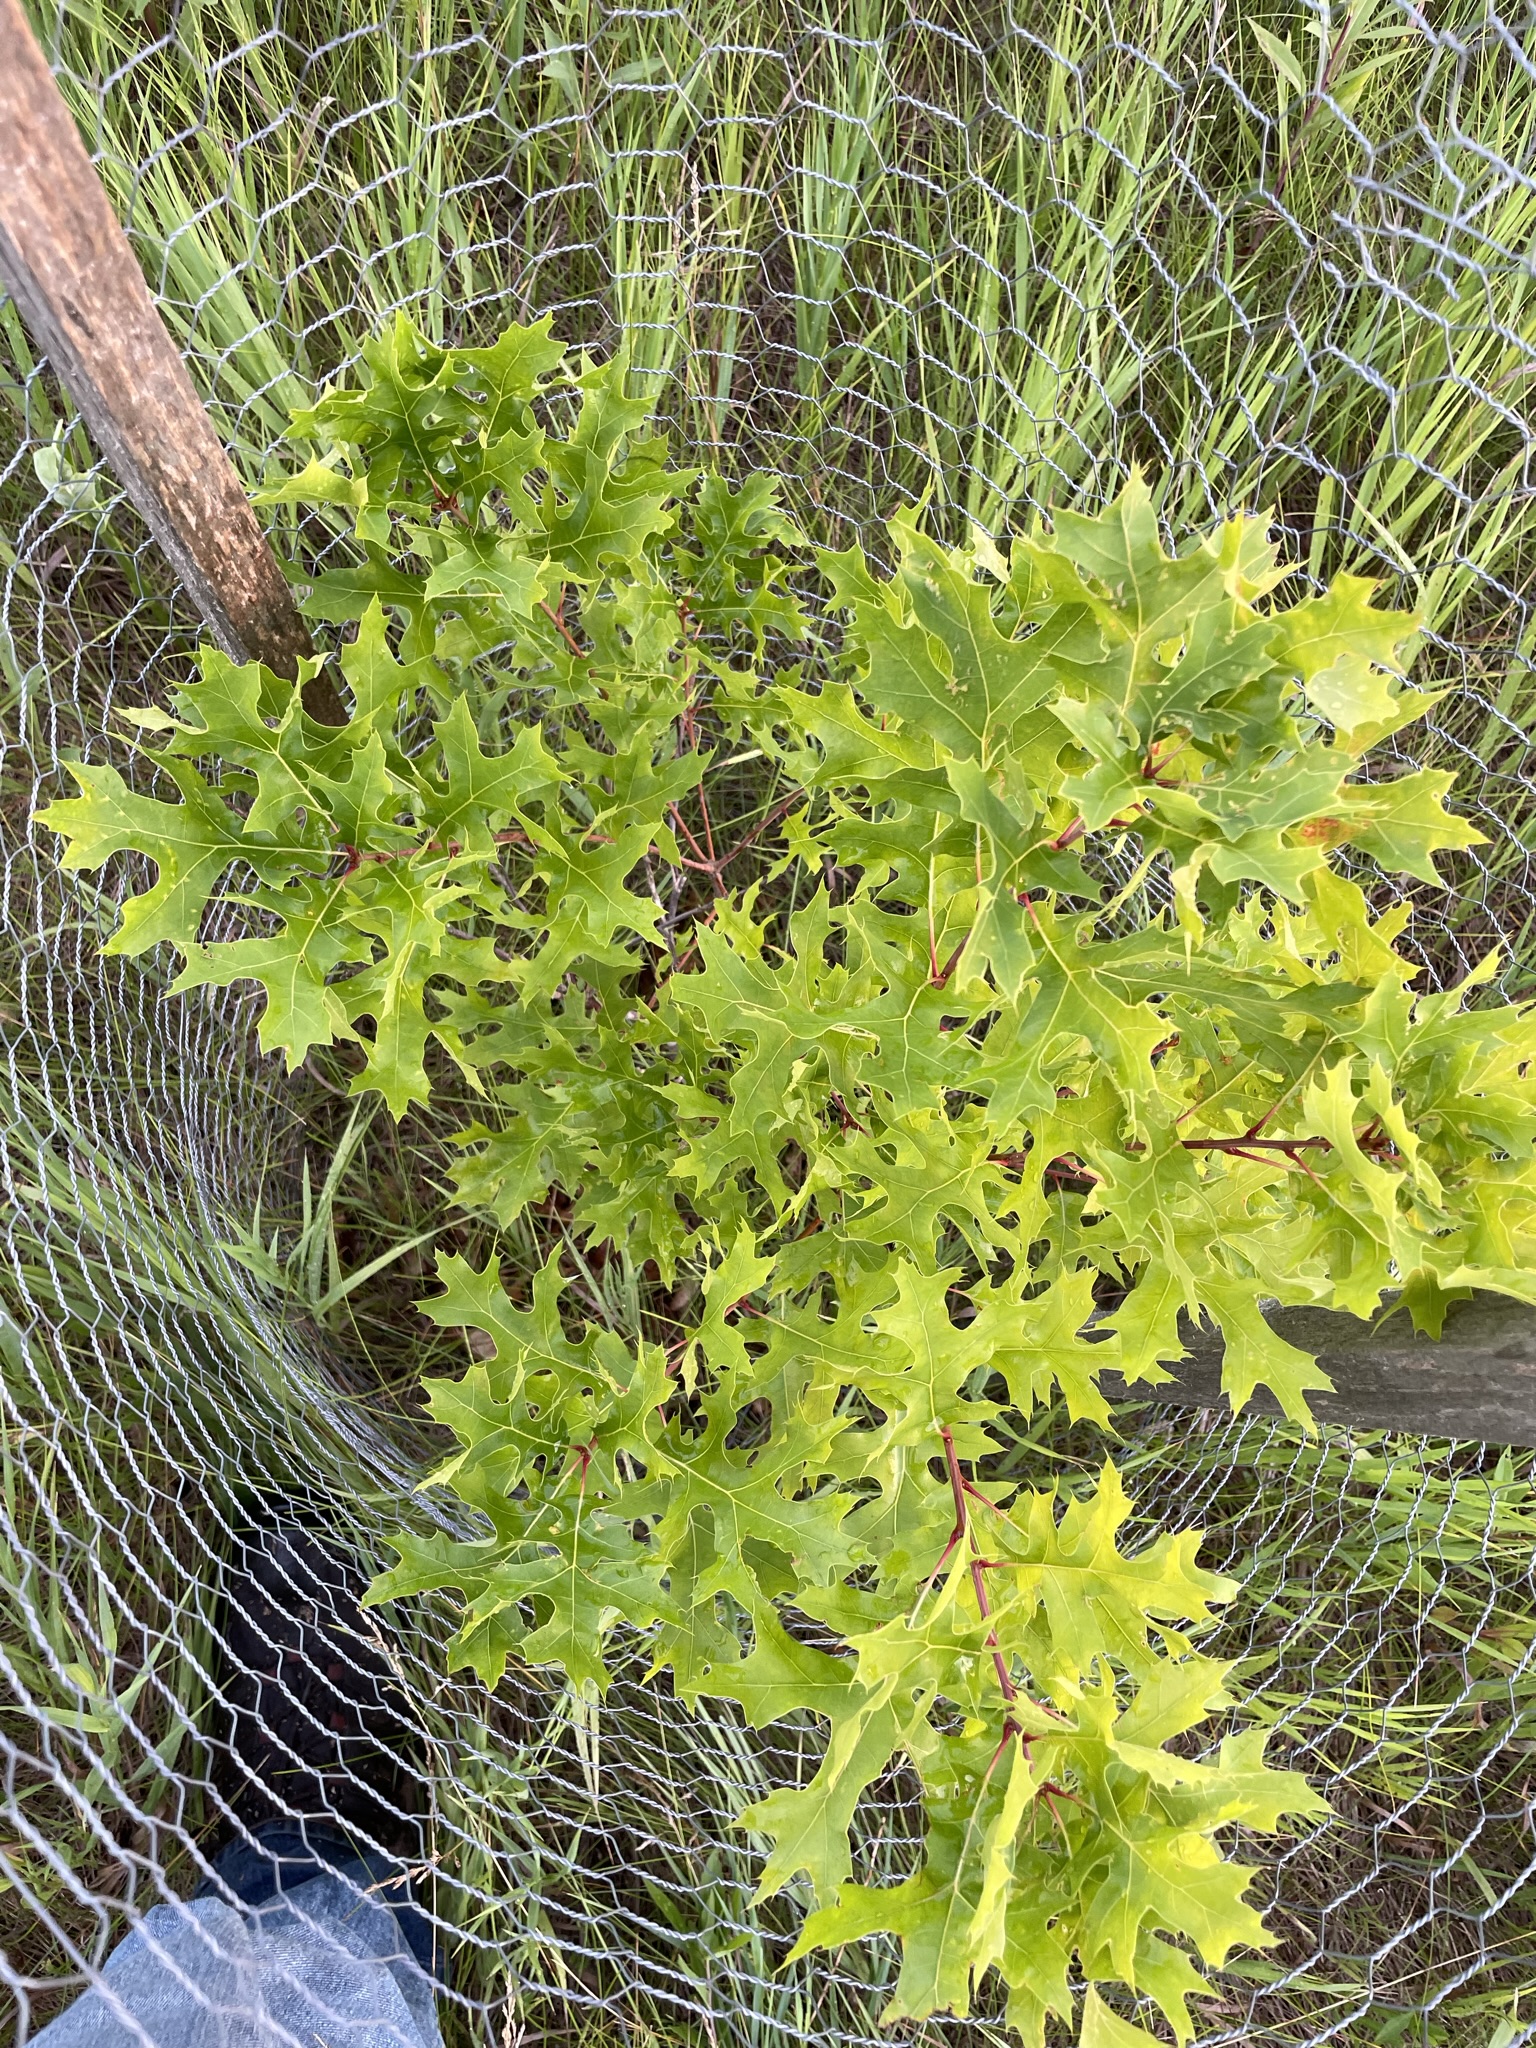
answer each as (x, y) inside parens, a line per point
(281, 1855)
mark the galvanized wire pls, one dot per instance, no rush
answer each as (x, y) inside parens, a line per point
(875, 251)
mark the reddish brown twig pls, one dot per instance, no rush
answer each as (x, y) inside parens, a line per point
(960, 1488)
(1152, 771)
(938, 976)
(845, 1116)
(680, 822)
(564, 631)
(1079, 826)
(709, 830)
(779, 811)
(1260, 1144)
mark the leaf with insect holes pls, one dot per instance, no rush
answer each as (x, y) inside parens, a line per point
(405, 420)
(862, 1052)
(431, 426)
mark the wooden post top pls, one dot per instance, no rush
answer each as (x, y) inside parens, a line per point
(74, 277)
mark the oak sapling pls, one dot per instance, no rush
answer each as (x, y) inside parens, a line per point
(935, 984)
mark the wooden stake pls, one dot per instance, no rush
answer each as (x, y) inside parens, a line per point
(79, 288)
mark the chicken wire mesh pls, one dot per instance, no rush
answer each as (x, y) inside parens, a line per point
(994, 255)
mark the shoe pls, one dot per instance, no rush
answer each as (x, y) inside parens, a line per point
(313, 1728)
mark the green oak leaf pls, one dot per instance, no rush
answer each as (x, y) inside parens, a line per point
(1104, 2028)
(295, 966)
(1405, 823)
(734, 577)
(488, 565)
(193, 844)
(934, 655)
(607, 489)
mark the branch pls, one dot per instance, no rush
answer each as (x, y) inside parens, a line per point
(959, 1488)
(565, 632)
(1247, 1144)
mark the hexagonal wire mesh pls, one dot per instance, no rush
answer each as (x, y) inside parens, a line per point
(992, 254)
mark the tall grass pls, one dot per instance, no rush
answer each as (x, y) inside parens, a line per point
(1280, 256)
(995, 261)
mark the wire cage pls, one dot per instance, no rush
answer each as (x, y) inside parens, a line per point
(991, 255)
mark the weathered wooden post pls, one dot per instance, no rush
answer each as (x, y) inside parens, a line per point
(1478, 1380)
(70, 268)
